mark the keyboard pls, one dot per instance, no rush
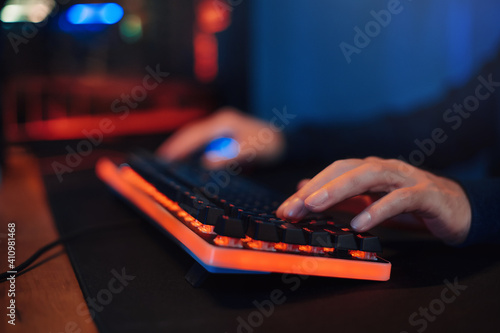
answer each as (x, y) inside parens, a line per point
(227, 223)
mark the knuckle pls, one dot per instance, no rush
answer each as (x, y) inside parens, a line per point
(372, 159)
(376, 168)
(227, 114)
(341, 166)
(338, 164)
(395, 163)
(404, 169)
(397, 178)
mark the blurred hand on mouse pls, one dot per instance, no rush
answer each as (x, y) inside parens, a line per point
(255, 146)
(440, 203)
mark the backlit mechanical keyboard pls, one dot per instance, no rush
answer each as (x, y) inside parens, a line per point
(227, 223)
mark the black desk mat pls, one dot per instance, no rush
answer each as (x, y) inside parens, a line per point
(158, 298)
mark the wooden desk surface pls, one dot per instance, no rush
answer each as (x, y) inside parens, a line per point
(47, 298)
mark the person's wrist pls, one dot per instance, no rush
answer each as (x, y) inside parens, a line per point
(462, 216)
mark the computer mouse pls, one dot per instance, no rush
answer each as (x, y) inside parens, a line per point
(221, 148)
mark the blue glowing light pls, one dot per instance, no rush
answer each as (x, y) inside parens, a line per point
(222, 149)
(95, 13)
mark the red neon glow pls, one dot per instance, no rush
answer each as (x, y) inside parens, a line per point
(287, 247)
(281, 246)
(221, 240)
(261, 245)
(363, 255)
(228, 241)
(195, 223)
(256, 244)
(213, 17)
(206, 229)
(151, 121)
(305, 248)
(206, 51)
(314, 249)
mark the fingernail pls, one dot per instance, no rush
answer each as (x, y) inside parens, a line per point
(359, 222)
(294, 209)
(317, 198)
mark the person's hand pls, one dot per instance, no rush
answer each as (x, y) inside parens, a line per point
(440, 203)
(258, 140)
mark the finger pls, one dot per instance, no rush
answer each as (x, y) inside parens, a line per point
(404, 200)
(191, 138)
(303, 183)
(354, 182)
(332, 171)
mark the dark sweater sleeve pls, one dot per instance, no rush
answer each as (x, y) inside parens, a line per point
(484, 198)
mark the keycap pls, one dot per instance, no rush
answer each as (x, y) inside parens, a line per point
(230, 227)
(248, 215)
(230, 210)
(368, 242)
(321, 237)
(237, 213)
(189, 209)
(343, 240)
(188, 199)
(263, 230)
(291, 234)
(266, 217)
(210, 214)
(317, 223)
